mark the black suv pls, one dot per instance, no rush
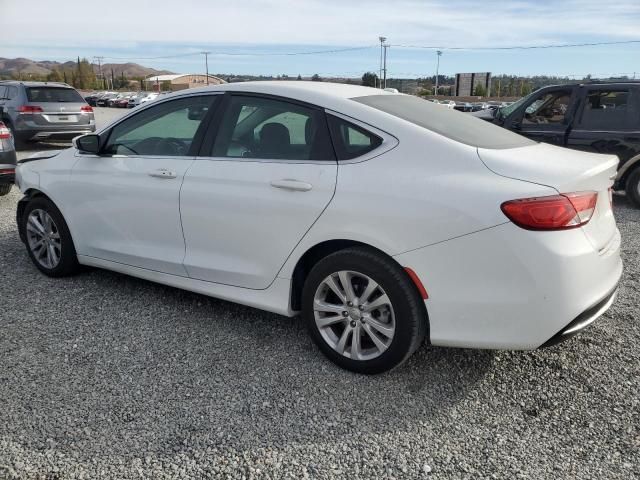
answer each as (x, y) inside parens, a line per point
(44, 111)
(595, 117)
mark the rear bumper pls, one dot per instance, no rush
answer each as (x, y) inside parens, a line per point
(7, 172)
(583, 320)
(54, 133)
(509, 288)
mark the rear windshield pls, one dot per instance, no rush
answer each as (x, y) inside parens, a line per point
(457, 126)
(53, 94)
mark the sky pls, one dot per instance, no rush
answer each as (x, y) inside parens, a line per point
(256, 36)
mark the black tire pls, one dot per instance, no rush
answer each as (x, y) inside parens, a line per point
(18, 142)
(68, 260)
(632, 187)
(409, 311)
(5, 189)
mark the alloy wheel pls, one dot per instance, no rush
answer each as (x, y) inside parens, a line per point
(354, 315)
(43, 238)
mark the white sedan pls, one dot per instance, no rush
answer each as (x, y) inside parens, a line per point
(383, 218)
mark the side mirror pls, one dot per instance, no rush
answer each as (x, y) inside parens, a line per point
(87, 143)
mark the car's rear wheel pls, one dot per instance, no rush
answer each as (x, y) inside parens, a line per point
(48, 240)
(632, 186)
(363, 311)
(18, 141)
(5, 189)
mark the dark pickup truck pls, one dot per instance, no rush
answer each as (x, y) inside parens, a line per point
(594, 117)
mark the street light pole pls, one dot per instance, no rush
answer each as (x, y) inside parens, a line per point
(385, 66)
(382, 49)
(439, 52)
(206, 64)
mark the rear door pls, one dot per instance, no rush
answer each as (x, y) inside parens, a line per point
(251, 196)
(608, 121)
(546, 117)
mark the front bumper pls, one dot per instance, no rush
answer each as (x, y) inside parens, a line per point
(509, 288)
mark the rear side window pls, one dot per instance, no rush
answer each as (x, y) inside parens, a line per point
(608, 109)
(351, 141)
(12, 92)
(454, 125)
(53, 95)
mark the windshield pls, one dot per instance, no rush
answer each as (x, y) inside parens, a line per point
(457, 126)
(53, 95)
(504, 112)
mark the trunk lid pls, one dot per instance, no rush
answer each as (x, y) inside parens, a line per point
(566, 171)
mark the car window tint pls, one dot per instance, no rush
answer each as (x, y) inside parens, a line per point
(12, 92)
(166, 129)
(350, 140)
(3, 93)
(550, 108)
(607, 109)
(449, 123)
(53, 95)
(266, 128)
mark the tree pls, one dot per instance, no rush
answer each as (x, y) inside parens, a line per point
(165, 86)
(369, 79)
(480, 91)
(54, 76)
(316, 78)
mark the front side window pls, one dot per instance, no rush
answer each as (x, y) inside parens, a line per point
(166, 129)
(607, 109)
(53, 95)
(350, 140)
(266, 128)
(550, 108)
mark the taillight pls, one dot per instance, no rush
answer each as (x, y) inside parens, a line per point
(30, 109)
(557, 212)
(7, 171)
(5, 133)
(86, 109)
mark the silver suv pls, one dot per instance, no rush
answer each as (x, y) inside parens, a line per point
(44, 111)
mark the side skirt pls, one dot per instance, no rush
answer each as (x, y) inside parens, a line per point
(274, 299)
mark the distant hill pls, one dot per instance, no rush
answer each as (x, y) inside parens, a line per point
(24, 66)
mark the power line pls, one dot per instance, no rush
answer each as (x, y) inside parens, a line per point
(520, 47)
(246, 54)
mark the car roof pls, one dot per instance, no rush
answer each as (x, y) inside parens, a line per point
(35, 84)
(323, 94)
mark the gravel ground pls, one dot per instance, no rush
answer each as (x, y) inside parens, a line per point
(106, 376)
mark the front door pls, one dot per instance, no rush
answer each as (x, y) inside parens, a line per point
(249, 200)
(546, 117)
(126, 206)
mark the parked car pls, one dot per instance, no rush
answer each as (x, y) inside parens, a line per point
(383, 218)
(142, 98)
(601, 117)
(462, 106)
(450, 104)
(103, 101)
(44, 111)
(7, 160)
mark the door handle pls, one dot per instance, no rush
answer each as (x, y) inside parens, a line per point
(162, 173)
(294, 185)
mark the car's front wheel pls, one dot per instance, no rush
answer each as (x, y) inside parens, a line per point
(363, 311)
(48, 240)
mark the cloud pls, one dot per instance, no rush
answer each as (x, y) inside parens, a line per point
(123, 24)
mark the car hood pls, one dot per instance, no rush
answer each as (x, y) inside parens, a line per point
(40, 156)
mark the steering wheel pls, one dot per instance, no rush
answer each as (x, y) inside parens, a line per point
(170, 146)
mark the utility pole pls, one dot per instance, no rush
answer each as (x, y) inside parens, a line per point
(99, 59)
(439, 53)
(385, 46)
(382, 49)
(206, 64)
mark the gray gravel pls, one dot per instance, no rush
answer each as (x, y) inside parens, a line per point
(106, 376)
